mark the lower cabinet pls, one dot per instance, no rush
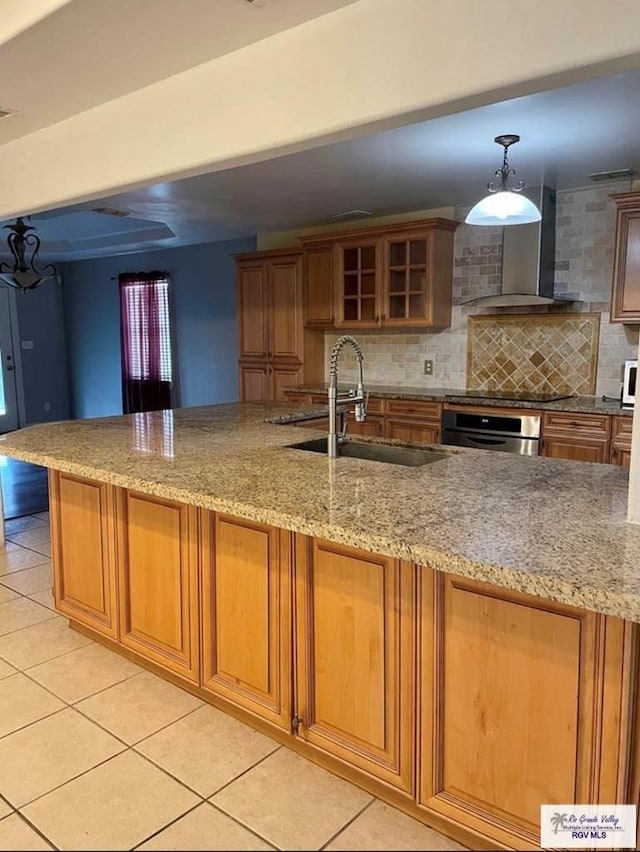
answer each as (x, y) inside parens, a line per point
(158, 581)
(355, 658)
(517, 695)
(83, 551)
(246, 615)
(465, 704)
(577, 437)
(416, 431)
(621, 433)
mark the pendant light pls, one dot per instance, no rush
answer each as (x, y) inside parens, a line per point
(504, 205)
(25, 274)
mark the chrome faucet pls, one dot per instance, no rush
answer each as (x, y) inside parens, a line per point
(358, 397)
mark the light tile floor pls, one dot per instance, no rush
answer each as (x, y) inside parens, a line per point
(97, 753)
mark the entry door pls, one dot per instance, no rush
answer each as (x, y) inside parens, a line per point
(8, 400)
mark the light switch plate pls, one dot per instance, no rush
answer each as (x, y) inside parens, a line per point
(428, 368)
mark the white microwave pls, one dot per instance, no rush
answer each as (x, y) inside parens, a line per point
(629, 382)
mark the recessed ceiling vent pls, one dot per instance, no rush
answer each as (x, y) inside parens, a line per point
(616, 174)
(110, 211)
(351, 214)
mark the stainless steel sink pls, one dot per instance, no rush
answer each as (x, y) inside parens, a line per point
(389, 453)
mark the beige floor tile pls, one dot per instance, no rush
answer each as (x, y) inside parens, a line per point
(39, 642)
(384, 827)
(81, 673)
(28, 522)
(45, 598)
(291, 802)
(22, 701)
(16, 835)
(6, 669)
(117, 805)
(41, 516)
(9, 547)
(139, 707)
(51, 752)
(21, 612)
(207, 749)
(44, 548)
(21, 558)
(30, 580)
(7, 594)
(205, 828)
(5, 809)
(26, 538)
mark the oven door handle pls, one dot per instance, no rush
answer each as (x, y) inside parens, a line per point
(486, 441)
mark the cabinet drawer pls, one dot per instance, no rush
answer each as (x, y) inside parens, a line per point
(318, 398)
(296, 396)
(593, 424)
(415, 408)
(621, 427)
(374, 405)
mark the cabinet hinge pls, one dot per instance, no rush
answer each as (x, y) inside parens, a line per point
(296, 722)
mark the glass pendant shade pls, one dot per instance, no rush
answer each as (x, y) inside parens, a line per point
(503, 208)
(504, 205)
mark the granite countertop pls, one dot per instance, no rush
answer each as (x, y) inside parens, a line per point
(551, 528)
(456, 396)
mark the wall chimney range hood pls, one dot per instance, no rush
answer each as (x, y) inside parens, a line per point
(528, 260)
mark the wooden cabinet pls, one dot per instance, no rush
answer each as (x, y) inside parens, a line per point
(246, 615)
(386, 277)
(579, 437)
(158, 581)
(83, 551)
(625, 292)
(621, 429)
(355, 658)
(413, 421)
(274, 348)
(515, 694)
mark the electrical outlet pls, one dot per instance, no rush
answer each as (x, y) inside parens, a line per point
(47, 406)
(428, 368)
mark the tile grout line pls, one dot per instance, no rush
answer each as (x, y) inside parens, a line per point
(35, 828)
(349, 822)
(172, 822)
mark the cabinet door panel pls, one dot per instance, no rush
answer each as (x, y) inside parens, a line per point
(255, 384)
(355, 657)
(405, 429)
(246, 615)
(509, 713)
(158, 580)
(575, 449)
(83, 551)
(625, 296)
(283, 376)
(318, 284)
(252, 309)
(285, 308)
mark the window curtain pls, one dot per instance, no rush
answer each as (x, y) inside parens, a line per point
(145, 341)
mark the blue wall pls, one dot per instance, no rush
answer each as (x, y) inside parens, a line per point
(202, 285)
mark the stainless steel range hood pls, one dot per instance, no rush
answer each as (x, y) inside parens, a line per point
(528, 260)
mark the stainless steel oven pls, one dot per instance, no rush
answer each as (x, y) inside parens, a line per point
(506, 433)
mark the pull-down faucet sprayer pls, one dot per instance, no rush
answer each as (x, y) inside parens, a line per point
(358, 397)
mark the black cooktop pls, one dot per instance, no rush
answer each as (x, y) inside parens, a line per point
(519, 396)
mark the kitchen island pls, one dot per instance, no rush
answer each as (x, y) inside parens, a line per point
(460, 639)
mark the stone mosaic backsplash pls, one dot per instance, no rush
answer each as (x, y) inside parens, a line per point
(542, 353)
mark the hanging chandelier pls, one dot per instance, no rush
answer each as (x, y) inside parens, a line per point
(504, 205)
(24, 245)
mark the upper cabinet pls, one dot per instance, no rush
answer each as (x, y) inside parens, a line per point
(625, 295)
(381, 277)
(275, 350)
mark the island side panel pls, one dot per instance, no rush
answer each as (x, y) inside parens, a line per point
(83, 551)
(158, 580)
(246, 615)
(518, 696)
(355, 657)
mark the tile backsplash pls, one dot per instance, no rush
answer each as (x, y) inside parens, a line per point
(585, 237)
(543, 353)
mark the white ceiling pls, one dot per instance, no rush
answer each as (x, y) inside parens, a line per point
(566, 134)
(87, 52)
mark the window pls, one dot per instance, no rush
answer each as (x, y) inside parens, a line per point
(147, 368)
